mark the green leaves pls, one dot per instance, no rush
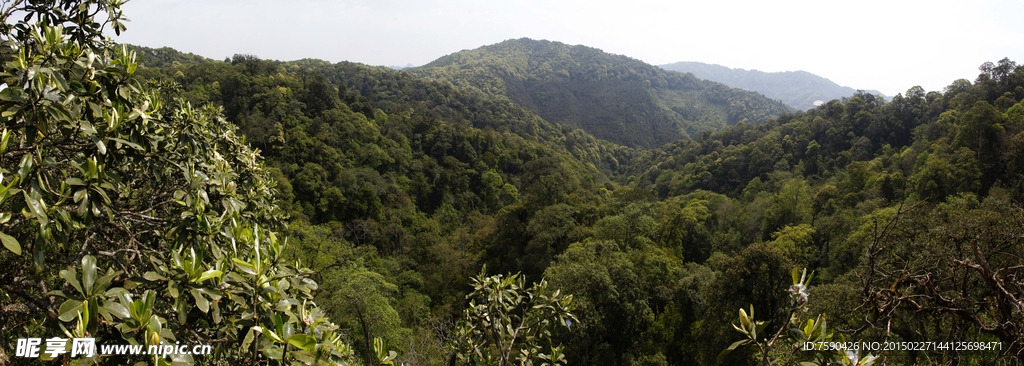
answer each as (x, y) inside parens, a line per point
(5, 136)
(748, 326)
(787, 346)
(209, 274)
(10, 243)
(36, 207)
(95, 297)
(508, 322)
(303, 342)
(384, 357)
(201, 301)
(732, 347)
(246, 267)
(69, 310)
(160, 200)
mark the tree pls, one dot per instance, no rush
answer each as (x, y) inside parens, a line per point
(752, 276)
(960, 265)
(128, 218)
(980, 129)
(508, 323)
(942, 172)
(618, 291)
(551, 229)
(684, 229)
(361, 299)
(790, 206)
(795, 242)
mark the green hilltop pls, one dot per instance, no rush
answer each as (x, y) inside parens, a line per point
(612, 97)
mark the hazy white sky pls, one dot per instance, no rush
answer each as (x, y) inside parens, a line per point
(888, 45)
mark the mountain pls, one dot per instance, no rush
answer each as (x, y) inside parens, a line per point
(345, 115)
(798, 89)
(402, 187)
(612, 97)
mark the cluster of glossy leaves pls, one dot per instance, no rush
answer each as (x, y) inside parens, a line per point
(788, 346)
(509, 323)
(129, 219)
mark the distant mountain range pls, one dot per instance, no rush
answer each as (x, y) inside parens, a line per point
(798, 89)
(612, 97)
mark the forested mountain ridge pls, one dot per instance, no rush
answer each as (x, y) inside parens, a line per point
(798, 89)
(399, 189)
(695, 228)
(612, 97)
(692, 231)
(365, 89)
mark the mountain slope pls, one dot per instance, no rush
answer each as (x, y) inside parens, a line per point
(415, 184)
(613, 97)
(798, 89)
(344, 115)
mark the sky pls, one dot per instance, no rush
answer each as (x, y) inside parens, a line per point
(886, 45)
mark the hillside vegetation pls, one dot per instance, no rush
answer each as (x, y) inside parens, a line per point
(482, 210)
(612, 97)
(661, 243)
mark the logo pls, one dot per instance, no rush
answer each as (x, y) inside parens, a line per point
(31, 347)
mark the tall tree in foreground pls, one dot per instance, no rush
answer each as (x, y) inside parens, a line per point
(132, 219)
(508, 323)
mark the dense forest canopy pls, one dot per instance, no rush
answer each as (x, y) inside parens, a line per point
(653, 242)
(612, 97)
(481, 210)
